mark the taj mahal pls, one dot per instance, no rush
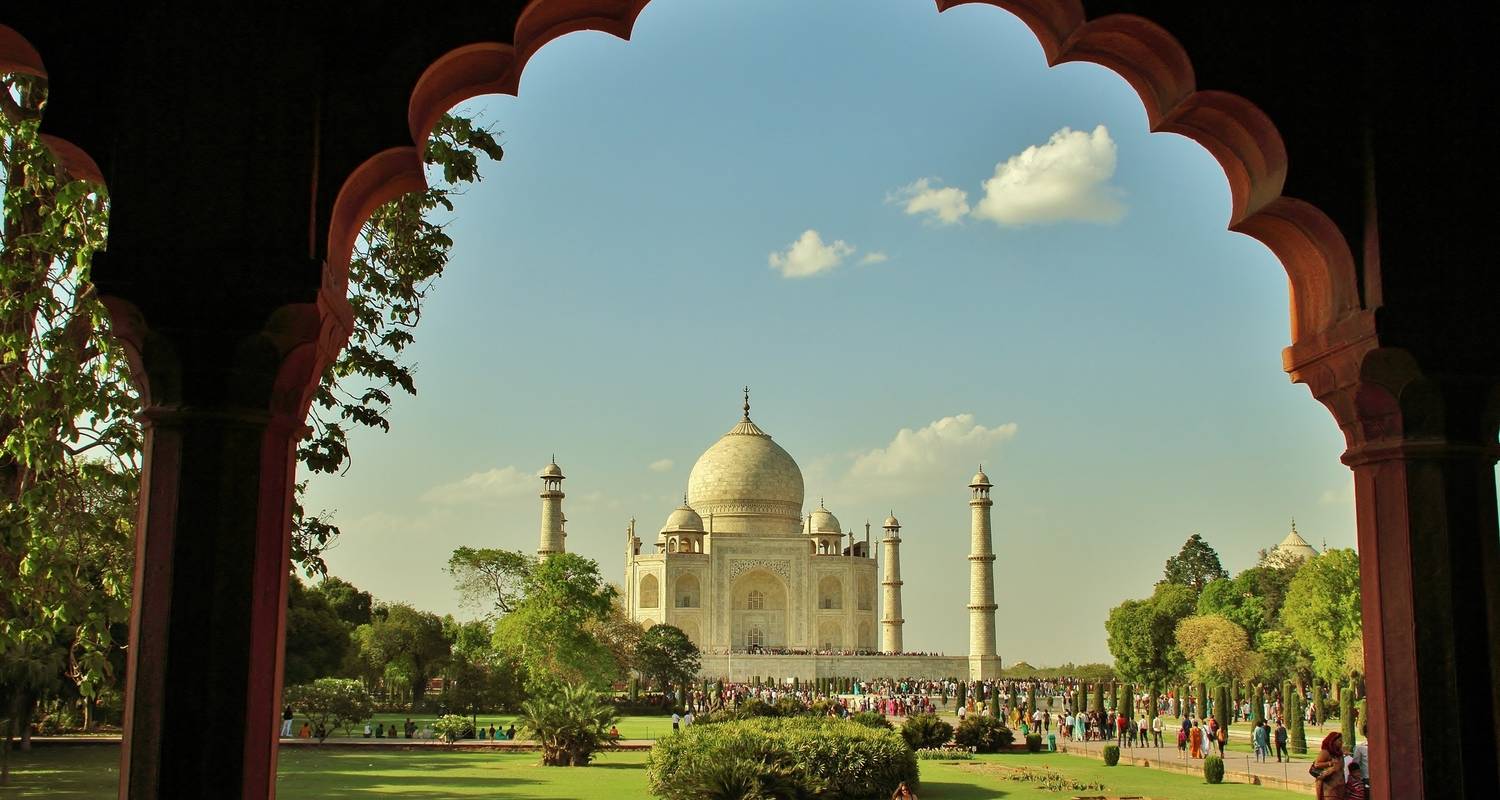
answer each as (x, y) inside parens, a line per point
(765, 590)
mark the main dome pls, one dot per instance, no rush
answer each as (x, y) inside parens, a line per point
(747, 483)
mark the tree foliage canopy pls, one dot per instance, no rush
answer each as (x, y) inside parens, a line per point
(490, 578)
(1218, 649)
(668, 655)
(548, 631)
(1323, 610)
(1194, 565)
(1142, 634)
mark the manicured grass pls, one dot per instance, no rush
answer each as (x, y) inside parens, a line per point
(632, 727)
(91, 772)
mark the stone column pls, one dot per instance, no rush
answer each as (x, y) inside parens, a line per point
(983, 662)
(1423, 451)
(223, 411)
(890, 589)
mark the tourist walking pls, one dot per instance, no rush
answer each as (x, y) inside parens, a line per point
(1328, 769)
(1195, 740)
(286, 721)
(1156, 727)
(1281, 741)
(1262, 737)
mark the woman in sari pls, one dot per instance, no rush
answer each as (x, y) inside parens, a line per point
(1328, 769)
(1195, 743)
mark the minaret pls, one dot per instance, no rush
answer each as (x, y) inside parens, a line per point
(890, 589)
(983, 663)
(552, 513)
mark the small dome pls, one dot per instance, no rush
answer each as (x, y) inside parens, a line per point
(980, 479)
(552, 470)
(683, 520)
(892, 522)
(823, 521)
(1294, 547)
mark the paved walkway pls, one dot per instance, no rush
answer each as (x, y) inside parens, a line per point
(1239, 764)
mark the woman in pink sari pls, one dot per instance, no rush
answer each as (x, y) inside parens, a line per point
(1328, 769)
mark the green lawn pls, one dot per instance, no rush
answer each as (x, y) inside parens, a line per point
(633, 727)
(91, 772)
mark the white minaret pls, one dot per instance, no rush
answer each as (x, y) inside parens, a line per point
(984, 664)
(890, 588)
(552, 540)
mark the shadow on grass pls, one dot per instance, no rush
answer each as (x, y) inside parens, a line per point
(945, 790)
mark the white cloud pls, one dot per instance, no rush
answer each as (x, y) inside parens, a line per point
(809, 255)
(661, 465)
(946, 444)
(1066, 179)
(874, 257)
(942, 205)
(479, 487)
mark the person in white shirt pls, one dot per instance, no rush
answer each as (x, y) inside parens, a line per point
(676, 721)
(1156, 725)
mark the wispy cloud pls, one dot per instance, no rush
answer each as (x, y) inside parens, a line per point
(809, 255)
(943, 444)
(482, 487)
(661, 465)
(1066, 179)
(937, 205)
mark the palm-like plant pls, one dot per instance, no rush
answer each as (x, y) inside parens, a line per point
(569, 724)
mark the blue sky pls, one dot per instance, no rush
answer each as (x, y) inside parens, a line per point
(1063, 305)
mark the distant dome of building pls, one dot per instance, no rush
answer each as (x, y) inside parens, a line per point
(683, 520)
(552, 470)
(823, 521)
(892, 522)
(1294, 548)
(980, 479)
(746, 476)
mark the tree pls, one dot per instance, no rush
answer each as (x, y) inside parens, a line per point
(1282, 656)
(668, 655)
(1322, 610)
(477, 677)
(1295, 726)
(316, 639)
(1142, 634)
(400, 252)
(1194, 565)
(1233, 600)
(347, 601)
(619, 635)
(1218, 649)
(490, 578)
(404, 642)
(329, 703)
(570, 722)
(548, 632)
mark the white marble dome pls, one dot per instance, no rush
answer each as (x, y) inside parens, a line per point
(823, 521)
(684, 520)
(748, 483)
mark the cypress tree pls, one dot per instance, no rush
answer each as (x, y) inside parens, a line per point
(634, 689)
(1346, 718)
(1030, 700)
(1257, 705)
(1202, 699)
(1099, 696)
(958, 697)
(1298, 732)
(995, 703)
(1317, 702)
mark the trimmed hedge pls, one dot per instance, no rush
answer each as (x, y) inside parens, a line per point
(1111, 755)
(1033, 743)
(1213, 769)
(796, 757)
(872, 719)
(925, 730)
(984, 734)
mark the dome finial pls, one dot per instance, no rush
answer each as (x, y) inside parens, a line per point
(1294, 524)
(747, 403)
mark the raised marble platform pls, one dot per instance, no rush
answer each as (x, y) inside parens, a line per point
(743, 667)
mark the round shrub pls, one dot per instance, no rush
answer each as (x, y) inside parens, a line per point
(872, 719)
(984, 734)
(823, 707)
(780, 757)
(1033, 743)
(925, 730)
(1213, 769)
(1111, 755)
(789, 706)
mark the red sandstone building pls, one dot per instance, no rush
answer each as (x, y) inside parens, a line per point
(243, 146)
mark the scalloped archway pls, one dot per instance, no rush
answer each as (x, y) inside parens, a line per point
(1414, 389)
